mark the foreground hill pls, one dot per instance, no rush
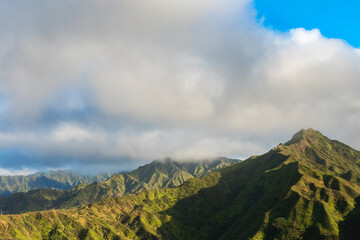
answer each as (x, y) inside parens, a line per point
(307, 188)
(61, 179)
(158, 174)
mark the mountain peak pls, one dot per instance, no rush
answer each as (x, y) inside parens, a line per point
(304, 134)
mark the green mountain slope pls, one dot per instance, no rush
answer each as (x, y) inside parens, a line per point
(60, 179)
(158, 174)
(307, 188)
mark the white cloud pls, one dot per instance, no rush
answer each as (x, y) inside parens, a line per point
(190, 78)
(67, 133)
(24, 171)
(302, 36)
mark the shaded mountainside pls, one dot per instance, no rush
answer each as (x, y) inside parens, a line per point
(60, 179)
(158, 174)
(308, 188)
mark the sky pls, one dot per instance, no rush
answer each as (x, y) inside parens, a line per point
(335, 19)
(103, 85)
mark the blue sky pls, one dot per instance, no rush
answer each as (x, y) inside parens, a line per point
(90, 87)
(335, 19)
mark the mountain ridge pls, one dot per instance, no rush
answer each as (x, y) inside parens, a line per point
(59, 179)
(157, 174)
(305, 189)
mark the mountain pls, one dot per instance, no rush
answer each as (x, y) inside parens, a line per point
(158, 174)
(307, 188)
(60, 179)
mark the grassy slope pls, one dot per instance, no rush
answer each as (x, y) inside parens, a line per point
(304, 189)
(114, 218)
(151, 176)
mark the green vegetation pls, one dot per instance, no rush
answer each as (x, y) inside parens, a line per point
(158, 174)
(307, 188)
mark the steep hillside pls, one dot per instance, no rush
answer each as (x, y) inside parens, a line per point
(158, 174)
(60, 179)
(307, 188)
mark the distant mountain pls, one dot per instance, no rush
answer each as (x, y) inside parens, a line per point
(158, 174)
(60, 179)
(308, 188)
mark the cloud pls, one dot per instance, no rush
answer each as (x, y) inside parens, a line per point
(10, 172)
(126, 81)
(69, 145)
(302, 36)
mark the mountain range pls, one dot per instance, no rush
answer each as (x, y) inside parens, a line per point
(158, 174)
(60, 179)
(307, 188)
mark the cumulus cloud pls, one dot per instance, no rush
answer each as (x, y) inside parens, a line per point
(165, 78)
